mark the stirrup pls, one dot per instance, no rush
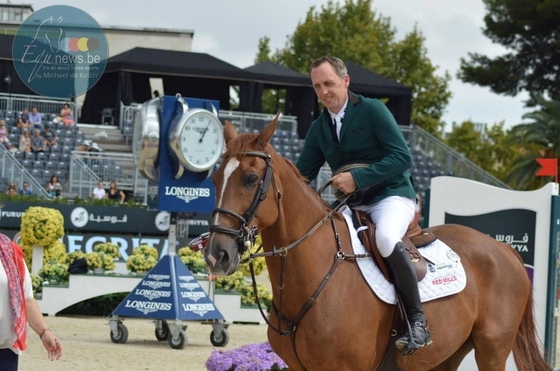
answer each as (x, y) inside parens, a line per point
(407, 344)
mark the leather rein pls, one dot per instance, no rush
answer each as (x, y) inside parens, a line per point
(246, 236)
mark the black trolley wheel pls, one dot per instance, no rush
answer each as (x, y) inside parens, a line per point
(178, 343)
(221, 339)
(122, 336)
(163, 333)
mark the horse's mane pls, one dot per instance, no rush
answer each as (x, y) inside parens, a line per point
(244, 142)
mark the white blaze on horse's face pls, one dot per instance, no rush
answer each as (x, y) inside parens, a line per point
(232, 164)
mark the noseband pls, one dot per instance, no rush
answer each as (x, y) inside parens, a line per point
(246, 235)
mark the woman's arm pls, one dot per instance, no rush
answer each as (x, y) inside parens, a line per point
(121, 193)
(35, 319)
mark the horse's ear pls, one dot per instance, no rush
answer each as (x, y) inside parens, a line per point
(230, 132)
(266, 133)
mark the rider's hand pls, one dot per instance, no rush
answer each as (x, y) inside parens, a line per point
(344, 182)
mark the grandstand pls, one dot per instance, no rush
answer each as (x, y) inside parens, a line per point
(80, 171)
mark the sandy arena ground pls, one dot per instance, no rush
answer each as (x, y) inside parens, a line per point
(87, 346)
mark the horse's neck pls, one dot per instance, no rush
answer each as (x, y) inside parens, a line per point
(308, 261)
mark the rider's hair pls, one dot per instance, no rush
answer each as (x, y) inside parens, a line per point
(337, 64)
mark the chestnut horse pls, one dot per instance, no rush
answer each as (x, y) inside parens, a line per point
(324, 316)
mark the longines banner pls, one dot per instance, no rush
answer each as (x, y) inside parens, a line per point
(105, 219)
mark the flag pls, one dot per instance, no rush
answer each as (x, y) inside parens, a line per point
(549, 167)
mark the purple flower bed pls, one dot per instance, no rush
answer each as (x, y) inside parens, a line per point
(252, 357)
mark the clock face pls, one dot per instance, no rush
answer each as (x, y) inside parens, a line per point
(201, 140)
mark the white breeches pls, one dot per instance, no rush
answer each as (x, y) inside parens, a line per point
(391, 217)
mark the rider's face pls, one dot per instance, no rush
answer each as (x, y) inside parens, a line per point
(331, 89)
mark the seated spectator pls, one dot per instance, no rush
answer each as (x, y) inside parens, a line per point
(25, 143)
(37, 142)
(23, 122)
(25, 190)
(4, 137)
(50, 138)
(99, 191)
(11, 190)
(54, 187)
(67, 116)
(84, 146)
(114, 193)
(35, 119)
(94, 147)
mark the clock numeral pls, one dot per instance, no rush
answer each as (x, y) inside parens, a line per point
(214, 130)
(213, 152)
(187, 128)
(185, 150)
(215, 141)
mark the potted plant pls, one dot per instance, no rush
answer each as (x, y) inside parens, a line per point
(143, 259)
(100, 262)
(108, 248)
(194, 260)
(54, 272)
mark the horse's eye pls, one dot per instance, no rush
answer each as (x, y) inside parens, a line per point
(251, 180)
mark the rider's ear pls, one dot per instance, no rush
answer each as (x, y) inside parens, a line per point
(230, 132)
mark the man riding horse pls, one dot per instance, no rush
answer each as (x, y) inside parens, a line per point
(353, 129)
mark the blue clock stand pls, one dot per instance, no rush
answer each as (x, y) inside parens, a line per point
(169, 293)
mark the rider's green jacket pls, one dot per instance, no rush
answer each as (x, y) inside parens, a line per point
(369, 134)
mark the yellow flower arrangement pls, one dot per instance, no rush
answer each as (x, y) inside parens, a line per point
(143, 258)
(73, 256)
(108, 248)
(259, 264)
(37, 283)
(55, 251)
(54, 272)
(100, 260)
(41, 226)
(194, 260)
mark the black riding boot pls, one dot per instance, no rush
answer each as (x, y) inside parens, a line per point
(406, 284)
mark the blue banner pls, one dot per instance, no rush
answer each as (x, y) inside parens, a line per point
(169, 292)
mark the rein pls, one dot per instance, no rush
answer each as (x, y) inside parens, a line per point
(246, 236)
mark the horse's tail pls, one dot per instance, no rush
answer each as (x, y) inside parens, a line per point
(526, 351)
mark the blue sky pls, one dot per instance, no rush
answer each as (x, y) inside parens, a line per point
(230, 30)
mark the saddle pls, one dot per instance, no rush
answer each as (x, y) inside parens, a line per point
(413, 239)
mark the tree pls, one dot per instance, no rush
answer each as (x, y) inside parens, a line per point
(272, 100)
(354, 32)
(529, 30)
(490, 149)
(538, 138)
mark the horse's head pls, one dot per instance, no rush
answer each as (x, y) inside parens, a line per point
(245, 198)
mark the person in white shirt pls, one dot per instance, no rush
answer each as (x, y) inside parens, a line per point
(18, 308)
(99, 192)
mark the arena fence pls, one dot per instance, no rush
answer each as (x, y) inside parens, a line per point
(12, 104)
(11, 170)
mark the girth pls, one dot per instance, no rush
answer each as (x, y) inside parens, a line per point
(413, 239)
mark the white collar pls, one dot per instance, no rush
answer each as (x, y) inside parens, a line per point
(340, 113)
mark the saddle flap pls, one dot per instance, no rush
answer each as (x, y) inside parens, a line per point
(414, 237)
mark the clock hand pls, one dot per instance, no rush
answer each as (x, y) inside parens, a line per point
(204, 133)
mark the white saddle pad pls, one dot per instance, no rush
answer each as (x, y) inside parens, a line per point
(445, 275)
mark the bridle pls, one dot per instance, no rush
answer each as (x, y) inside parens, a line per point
(246, 236)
